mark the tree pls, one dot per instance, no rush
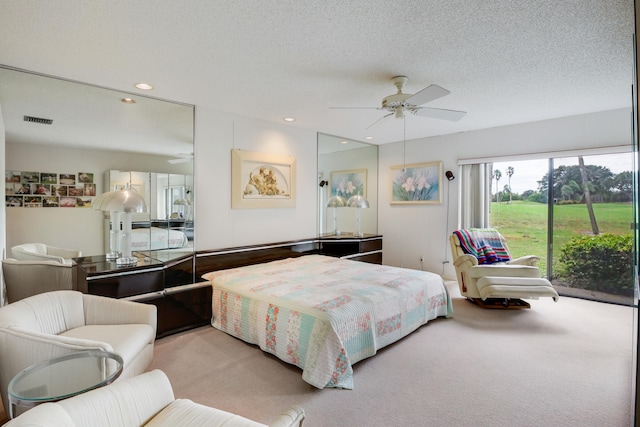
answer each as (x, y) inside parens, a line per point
(599, 178)
(509, 174)
(507, 189)
(497, 175)
(587, 196)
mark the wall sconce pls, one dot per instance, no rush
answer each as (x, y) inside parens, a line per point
(121, 205)
(336, 202)
(358, 202)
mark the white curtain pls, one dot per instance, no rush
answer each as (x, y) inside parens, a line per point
(475, 195)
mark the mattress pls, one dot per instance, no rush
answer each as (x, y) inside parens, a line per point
(324, 314)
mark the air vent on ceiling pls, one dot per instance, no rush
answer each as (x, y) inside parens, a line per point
(38, 120)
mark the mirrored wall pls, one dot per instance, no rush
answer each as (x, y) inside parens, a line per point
(56, 127)
(346, 168)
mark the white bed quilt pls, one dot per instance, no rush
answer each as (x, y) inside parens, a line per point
(324, 314)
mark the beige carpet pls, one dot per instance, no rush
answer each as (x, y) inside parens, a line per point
(556, 364)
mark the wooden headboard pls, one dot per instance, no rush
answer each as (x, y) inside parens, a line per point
(221, 259)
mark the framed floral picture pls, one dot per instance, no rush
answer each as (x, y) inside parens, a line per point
(418, 183)
(262, 180)
(348, 183)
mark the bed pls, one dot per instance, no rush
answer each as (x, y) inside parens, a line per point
(324, 314)
(155, 238)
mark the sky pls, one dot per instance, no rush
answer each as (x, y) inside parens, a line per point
(526, 173)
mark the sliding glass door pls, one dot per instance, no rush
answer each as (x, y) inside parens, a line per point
(576, 214)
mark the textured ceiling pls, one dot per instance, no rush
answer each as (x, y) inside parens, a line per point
(504, 61)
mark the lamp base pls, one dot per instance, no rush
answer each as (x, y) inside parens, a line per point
(112, 255)
(358, 234)
(127, 262)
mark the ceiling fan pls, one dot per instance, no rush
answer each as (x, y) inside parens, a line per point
(399, 103)
(181, 158)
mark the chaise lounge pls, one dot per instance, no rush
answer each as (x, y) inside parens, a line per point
(487, 274)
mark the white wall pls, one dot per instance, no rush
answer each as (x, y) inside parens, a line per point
(73, 228)
(412, 231)
(219, 226)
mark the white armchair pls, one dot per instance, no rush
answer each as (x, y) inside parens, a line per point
(55, 323)
(26, 278)
(501, 284)
(43, 252)
(146, 400)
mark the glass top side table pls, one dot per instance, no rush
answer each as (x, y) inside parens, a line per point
(62, 377)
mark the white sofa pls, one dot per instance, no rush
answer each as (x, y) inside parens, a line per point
(54, 323)
(43, 252)
(145, 400)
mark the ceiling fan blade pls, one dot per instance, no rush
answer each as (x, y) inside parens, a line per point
(178, 161)
(427, 94)
(355, 108)
(439, 113)
(181, 158)
(381, 118)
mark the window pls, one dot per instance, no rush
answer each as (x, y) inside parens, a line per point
(581, 233)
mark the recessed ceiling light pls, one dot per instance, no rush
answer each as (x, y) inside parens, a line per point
(144, 86)
(128, 100)
(368, 138)
(289, 119)
(344, 142)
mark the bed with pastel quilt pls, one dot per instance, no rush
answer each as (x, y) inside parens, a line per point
(324, 314)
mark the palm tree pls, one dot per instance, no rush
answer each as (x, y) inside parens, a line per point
(509, 173)
(587, 196)
(497, 175)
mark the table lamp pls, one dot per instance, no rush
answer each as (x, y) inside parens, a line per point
(336, 202)
(357, 202)
(122, 203)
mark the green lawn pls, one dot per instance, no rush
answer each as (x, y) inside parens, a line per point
(524, 224)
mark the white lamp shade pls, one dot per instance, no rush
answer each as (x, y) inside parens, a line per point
(120, 201)
(357, 201)
(336, 202)
(182, 202)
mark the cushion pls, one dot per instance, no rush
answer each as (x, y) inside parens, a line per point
(126, 340)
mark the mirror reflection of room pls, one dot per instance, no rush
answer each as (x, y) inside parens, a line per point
(347, 169)
(92, 134)
(167, 223)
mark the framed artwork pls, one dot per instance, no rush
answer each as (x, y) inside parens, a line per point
(262, 180)
(418, 183)
(348, 183)
(48, 189)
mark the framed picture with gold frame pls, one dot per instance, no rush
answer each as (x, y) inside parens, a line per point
(418, 183)
(262, 180)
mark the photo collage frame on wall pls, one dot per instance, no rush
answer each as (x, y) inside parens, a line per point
(49, 189)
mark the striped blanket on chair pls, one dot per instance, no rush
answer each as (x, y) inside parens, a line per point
(483, 243)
